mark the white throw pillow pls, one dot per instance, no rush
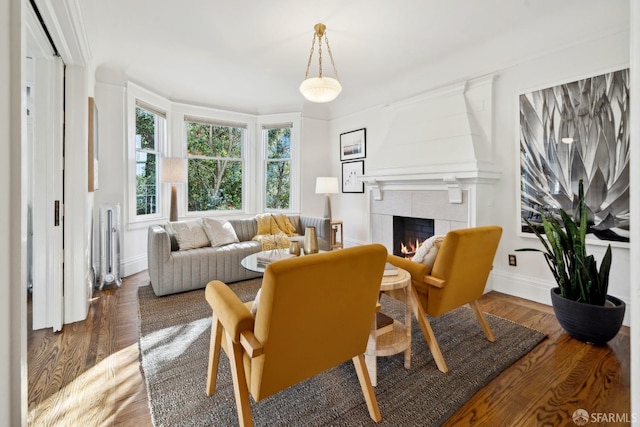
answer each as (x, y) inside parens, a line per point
(426, 253)
(219, 232)
(256, 301)
(189, 234)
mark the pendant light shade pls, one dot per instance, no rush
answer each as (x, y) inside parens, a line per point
(320, 89)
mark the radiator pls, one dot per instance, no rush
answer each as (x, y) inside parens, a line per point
(110, 245)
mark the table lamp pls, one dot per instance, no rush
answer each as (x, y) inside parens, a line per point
(173, 171)
(327, 185)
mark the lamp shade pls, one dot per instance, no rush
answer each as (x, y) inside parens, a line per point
(174, 170)
(326, 185)
(320, 89)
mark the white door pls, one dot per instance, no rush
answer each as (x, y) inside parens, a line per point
(45, 115)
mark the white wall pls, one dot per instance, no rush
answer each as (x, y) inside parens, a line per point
(531, 278)
(316, 161)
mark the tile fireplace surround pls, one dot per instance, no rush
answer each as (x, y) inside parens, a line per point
(472, 205)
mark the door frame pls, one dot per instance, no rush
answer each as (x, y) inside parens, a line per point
(45, 171)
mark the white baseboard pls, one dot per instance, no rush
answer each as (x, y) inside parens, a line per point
(532, 289)
(133, 265)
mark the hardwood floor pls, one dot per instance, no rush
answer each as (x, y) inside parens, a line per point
(89, 374)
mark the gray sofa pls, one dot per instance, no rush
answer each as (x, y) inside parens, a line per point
(172, 271)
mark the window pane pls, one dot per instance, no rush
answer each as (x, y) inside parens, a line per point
(279, 143)
(215, 184)
(145, 130)
(146, 183)
(214, 141)
(278, 184)
(149, 130)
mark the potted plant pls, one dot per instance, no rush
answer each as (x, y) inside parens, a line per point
(581, 303)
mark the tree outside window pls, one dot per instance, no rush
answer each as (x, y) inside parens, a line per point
(278, 168)
(149, 128)
(214, 166)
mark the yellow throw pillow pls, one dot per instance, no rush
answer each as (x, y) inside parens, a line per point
(264, 224)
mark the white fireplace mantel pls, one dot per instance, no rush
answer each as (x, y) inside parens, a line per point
(405, 180)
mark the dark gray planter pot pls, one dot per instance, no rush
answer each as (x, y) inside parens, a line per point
(586, 322)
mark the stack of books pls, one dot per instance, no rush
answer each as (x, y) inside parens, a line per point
(268, 257)
(384, 324)
(390, 270)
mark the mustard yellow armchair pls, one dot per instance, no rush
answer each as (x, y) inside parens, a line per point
(459, 275)
(314, 312)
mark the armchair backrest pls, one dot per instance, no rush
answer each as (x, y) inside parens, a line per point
(464, 262)
(315, 312)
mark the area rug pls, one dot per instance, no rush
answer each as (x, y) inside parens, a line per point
(174, 348)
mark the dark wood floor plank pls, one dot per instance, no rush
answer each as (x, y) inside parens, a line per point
(90, 373)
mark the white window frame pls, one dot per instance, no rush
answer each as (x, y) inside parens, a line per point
(268, 121)
(245, 142)
(137, 96)
(266, 160)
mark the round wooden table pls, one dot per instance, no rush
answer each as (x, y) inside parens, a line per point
(398, 339)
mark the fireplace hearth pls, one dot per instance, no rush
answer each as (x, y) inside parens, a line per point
(409, 233)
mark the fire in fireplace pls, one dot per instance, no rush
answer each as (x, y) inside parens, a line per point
(409, 233)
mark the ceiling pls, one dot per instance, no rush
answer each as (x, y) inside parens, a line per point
(250, 56)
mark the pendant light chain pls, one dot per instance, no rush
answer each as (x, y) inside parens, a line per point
(335, 71)
(313, 43)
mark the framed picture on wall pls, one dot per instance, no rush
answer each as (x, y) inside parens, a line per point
(572, 132)
(352, 173)
(353, 145)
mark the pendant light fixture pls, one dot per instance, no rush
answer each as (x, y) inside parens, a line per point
(321, 88)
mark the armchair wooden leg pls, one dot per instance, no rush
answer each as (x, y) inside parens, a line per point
(483, 321)
(367, 388)
(214, 355)
(429, 336)
(240, 389)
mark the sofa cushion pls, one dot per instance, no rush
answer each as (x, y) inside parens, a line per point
(266, 224)
(219, 232)
(426, 253)
(189, 234)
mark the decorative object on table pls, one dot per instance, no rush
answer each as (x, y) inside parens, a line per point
(352, 173)
(572, 132)
(327, 185)
(353, 145)
(320, 89)
(310, 241)
(174, 171)
(294, 248)
(580, 302)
